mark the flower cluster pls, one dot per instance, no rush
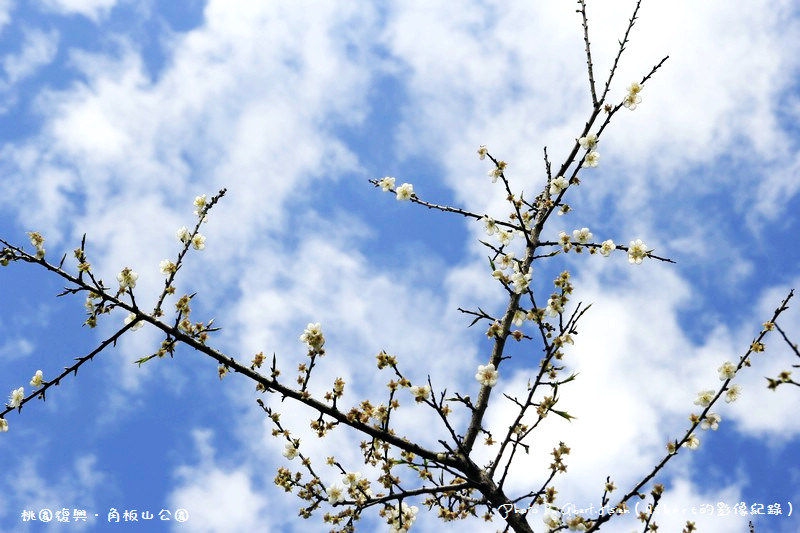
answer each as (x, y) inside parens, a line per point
(555, 305)
(520, 280)
(200, 204)
(400, 519)
(127, 279)
(198, 241)
(588, 143)
(312, 337)
(632, 99)
(38, 241)
(497, 171)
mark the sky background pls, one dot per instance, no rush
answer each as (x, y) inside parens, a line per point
(115, 114)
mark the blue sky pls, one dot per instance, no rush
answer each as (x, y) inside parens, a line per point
(115, 114)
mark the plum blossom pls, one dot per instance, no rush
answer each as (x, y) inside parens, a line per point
(636, 252)
(127, 279)
(582, 235)
(17, 395)
(312, 336)
(487, 375)
(404, 192)
(291, 451)
(726, 371)
(386, 183)
(558, 185)
(420, 393)
(588, 142)
(36, 380)
(607, 247)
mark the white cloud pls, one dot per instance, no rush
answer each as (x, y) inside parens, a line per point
(13, 348)
(38, 49)
(217, 499)
(92, 9)
(29, 489)
(5, 12)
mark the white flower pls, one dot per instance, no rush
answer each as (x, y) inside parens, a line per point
(505, 237)
(183, 234)
(634, 88)
(167, 267)
(127, 278)
(487, 375)
(558, 185)
(482, 151)
(588, 142)
(495, 173)
(36, 380)
(704, 398)
(592, 159)
(199, 242)
(551, 519)
(564, 339)
(607, 247)
(130, 318)
(491, 225)
(563, 240)
(726, 371)
(3, 425)
(521, 281)
(732, 394)
(636, 252)
(631, 100)
(291, 451)
(335, 494)
(312, 336)
(36, 239)
(712, 421)
(506, 260)
(576, 524)
(351, 479)
(554, 307)
(402, 520)
(583, 235)
(421, 393)
(693, 442)
(386, 183)
(519, 317)
(405, 191)
(17, 396)
(199, 203)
